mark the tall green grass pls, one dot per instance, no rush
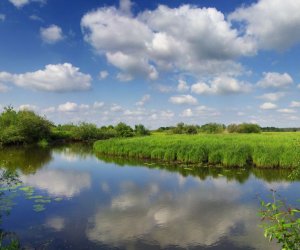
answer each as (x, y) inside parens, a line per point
(268, 150)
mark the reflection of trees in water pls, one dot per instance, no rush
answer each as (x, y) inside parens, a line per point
(25, 159)
(240, 175)
(8, 180)
(273, 175)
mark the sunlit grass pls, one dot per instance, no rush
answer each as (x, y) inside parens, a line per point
(262, 150)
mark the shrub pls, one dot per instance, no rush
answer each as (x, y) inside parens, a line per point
(123, 130)
(23, 127)
(190, 129)
(249, 128)
(212, 128)
(244, 128)
(140, 130)
(86, 132)
(182, 128)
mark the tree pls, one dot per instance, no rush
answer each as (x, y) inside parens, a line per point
(232, 128)
(140, 130)
(244, 128)
(123, 130)
(249, 128)
(33, 127)
(22, 127)
(86, 131)
(190, 129)
(212, 128)
(179, 129)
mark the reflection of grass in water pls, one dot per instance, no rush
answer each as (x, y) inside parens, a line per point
(205, 171)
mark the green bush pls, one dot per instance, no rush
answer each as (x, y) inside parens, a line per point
(140, 130)
(212, 128)
(23, 127)
(123, 130)
(244, 128)
(182, 128)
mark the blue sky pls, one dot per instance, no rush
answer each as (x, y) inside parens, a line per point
(152, 62)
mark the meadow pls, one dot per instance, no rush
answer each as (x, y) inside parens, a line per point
(263, 150)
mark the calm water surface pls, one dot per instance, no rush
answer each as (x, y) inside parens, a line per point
(95, 203)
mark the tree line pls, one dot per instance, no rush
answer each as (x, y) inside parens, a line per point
(212, 128)
(27, 127)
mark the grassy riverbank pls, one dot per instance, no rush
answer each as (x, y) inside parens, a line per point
(261, 150)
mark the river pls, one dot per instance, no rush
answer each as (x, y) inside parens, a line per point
(69, 198)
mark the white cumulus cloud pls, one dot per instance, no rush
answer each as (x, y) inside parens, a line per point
(54, 78)
(268, 106)
(132, 66)
(36, 18)
(187, 113)
(68, 107)
(183, 99)
(272, 96)
(152, 40)
(28, 107)
(103, 74)
(221, 85)
(273, 24)
(19, 3)
(275, 80)
(51, 34)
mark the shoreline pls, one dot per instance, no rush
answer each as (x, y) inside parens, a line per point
(258, 151)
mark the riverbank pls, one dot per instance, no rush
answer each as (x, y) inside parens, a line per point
(265, 150)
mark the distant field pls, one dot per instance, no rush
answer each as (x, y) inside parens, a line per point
(265, 150)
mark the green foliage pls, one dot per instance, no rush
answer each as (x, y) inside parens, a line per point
(108, 132)
(281, 222)
(86, 131)
(43, 143)
(190, 129)
(22, 127)
(140, 130)
(123, 130)
(182, 128)
(179, 129)
(244, 128)
(264, 150)
(212, 128)
(26, 127)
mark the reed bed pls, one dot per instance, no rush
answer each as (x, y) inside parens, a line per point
(265, 150)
